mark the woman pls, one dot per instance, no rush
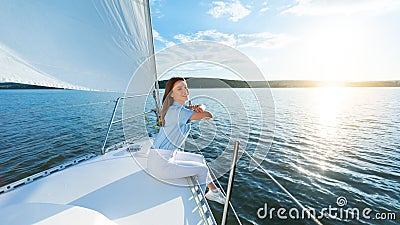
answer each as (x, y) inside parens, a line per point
(165, 160)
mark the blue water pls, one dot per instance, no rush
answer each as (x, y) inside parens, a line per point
(328, 143)
(43, 128)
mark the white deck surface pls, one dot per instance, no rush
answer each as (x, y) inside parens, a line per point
(109, 189)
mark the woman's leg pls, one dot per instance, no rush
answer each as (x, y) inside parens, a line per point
(191, 168)
(188, 156)
(172, 169)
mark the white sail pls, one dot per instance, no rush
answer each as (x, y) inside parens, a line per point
(94, 44)
(98, 44)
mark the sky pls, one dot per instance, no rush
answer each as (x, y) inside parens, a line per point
(98, 45)
(338, 40)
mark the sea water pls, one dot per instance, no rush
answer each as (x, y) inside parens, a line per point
(336, 150)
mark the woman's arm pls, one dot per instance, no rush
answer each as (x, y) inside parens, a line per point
(201, 115)
(199, 112)
(197, 108)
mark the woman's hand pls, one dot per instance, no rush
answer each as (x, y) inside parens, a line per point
(197, 108)
(200, 112)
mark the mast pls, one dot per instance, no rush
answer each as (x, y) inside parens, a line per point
(152, 55)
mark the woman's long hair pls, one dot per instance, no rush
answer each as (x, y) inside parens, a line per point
(167, 100)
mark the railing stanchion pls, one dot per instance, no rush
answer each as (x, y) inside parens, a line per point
(103, 151)
(109, 126)
(230, 183)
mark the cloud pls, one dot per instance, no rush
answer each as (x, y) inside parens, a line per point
(234, 10)
(263, 40)
(347, 7)
(159, 38)
(264, 7)
(208, 35)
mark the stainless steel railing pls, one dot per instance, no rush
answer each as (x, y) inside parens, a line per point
(103, 149)
(230, 183)
(305, 209)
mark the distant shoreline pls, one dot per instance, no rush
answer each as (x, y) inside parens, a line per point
(312, 84)
(10, 85)
(223, 83)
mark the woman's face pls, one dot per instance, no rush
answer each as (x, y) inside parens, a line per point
(180, 92)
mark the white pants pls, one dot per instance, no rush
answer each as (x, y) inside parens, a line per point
(170, 164)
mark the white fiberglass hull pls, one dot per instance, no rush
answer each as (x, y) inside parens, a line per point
(107, 189)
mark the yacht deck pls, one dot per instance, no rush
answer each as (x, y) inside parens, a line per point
(107, 189)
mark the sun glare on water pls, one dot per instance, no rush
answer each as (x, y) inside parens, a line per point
(329, 104)
(329, 101)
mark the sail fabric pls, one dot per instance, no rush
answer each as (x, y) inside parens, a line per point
(91, 44)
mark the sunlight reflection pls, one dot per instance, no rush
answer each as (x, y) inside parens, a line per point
(329, 105)
(322, 164)
(329, 101)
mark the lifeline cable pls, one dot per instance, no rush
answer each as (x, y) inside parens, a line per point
(276, 182)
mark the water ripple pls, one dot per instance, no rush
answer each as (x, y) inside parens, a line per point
(315, 154)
